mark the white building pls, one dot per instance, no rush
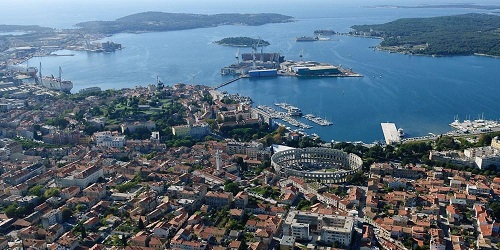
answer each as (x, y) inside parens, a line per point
(486, 161)
(484, 157)
(329, 228)
(80, 177)
(107, 139)
(480, 151)
(252, 149)
(197, 130)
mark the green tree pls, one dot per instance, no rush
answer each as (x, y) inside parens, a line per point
(232, 187)
(66, 213)
(51, 192)
(11, 210)
(36, 190)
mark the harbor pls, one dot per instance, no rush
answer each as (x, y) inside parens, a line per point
(465, 128)
(290, 115)
(479, 125)
(284, 116)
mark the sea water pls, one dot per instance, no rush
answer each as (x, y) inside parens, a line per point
(420, 94)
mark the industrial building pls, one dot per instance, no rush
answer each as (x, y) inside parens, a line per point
(310, 68)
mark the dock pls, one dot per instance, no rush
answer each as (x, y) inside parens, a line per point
(391, 134)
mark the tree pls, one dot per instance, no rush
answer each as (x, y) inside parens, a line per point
(36, 190)
(84, 232)
(51, 192)
(80, 207)
(124, 240)
(66, 213)
(140, 224)
(232, 187)
(243, 245)
(11, 210)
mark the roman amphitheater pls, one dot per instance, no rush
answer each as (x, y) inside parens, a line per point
(325, 165)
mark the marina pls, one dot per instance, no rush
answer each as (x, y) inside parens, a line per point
(272, 113)
(292, 110)
(478, 125)
(318, 120)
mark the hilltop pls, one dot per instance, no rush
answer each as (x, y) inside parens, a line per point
(160, 21)
(465, 34)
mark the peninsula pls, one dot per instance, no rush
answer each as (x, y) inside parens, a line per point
(443, 6)
(465, 34)
(160, 21)
(242, 42)
(42, 41)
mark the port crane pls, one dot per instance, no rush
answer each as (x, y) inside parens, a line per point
(237, 56)
(254, 50)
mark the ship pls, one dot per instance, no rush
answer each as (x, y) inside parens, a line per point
(55, 83)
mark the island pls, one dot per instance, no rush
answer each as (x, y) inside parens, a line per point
(443, 6)
(34, 40)
(242, 42)
(324, 32)
(465, 34)
(160, 21)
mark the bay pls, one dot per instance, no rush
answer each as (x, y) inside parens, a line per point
(420, 94)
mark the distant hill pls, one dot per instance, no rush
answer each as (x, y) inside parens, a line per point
(24, 28)
(160, 21)
(465, 34)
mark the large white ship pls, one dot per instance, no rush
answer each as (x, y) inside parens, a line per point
(55, 83)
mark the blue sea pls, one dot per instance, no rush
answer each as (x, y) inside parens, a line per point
(420, 94)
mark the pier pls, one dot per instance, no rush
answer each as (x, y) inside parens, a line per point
(391, 134)
(228, 82)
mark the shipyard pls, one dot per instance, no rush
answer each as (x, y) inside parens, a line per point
(256, 65)
(271, 64)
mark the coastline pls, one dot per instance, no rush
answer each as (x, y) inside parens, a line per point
(388, 49)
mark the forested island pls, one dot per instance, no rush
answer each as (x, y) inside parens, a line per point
(465, 34)
(160, 21)
(242, 42)
(443, 6)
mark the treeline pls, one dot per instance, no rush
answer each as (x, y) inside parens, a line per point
(160, 21)
(447, 35)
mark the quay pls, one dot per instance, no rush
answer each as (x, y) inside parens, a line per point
(391, 134)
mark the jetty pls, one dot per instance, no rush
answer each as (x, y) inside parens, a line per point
(391, 134)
